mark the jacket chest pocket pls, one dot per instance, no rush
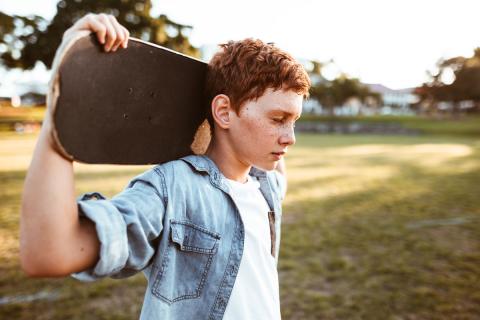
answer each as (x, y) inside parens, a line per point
(185, 262)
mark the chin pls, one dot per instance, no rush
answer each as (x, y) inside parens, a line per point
(266, 166)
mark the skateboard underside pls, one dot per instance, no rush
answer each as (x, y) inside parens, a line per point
(140, 105)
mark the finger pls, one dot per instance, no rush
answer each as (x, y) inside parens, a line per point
(119, 31)
(127, 35)
(111, 34)
(97, 27)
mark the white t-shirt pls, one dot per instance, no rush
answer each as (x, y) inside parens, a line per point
(255, 294)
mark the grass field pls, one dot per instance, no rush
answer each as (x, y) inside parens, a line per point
(445, 125)
(374, 227)
(9, 116)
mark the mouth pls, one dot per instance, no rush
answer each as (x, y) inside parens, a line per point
(278, 155)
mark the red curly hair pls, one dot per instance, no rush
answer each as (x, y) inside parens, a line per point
(244, 69)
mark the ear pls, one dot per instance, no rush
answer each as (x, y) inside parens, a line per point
(221, 109)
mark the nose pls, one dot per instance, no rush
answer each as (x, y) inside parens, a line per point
(288, 136)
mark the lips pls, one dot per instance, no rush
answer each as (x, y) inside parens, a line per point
(278, 155)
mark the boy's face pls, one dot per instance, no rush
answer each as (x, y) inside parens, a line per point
(263, 130)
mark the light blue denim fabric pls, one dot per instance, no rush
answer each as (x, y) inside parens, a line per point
(178, 224)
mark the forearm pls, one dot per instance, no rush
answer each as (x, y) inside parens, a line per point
(51, 235)
(54, 241)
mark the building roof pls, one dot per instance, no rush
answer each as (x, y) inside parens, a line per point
(380, 88)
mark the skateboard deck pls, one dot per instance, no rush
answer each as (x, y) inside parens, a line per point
(139, 105)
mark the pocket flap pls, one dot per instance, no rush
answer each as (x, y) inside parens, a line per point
(191, 237)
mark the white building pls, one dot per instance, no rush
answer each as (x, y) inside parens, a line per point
(395, 101)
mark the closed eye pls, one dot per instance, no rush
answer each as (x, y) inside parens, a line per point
(282, 122)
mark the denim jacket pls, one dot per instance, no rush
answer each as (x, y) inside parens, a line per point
(178, 224)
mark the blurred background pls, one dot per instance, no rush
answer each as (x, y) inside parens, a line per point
(381, 219)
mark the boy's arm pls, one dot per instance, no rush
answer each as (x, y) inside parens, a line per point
(54, 241)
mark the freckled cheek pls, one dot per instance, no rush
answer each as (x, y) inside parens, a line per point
(261, 132)
(264, 130)
(269, 136)
(255, 127)
(271, 132)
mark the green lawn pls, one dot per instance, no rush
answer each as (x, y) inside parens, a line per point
(10, 115)
(374, 227)
(382, 228)
(446, 126)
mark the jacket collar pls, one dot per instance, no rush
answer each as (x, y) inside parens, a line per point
(205, 164)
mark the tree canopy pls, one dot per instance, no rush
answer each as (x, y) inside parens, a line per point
(24, 40)
(331, 94)
(465, 85)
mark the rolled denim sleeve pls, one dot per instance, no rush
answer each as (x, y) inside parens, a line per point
(127, 226)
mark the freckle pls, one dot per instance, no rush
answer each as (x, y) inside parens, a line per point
(82, 249)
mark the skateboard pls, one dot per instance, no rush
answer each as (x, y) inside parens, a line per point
(139, 105)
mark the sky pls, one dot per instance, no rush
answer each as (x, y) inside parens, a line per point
(390, 42)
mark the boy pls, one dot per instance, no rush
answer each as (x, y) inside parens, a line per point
(204, 229)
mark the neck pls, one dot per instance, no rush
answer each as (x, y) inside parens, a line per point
(224, 157)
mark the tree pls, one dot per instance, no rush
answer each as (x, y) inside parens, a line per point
(331, 94)
(463, 85)
(26, 40)
(316, 67)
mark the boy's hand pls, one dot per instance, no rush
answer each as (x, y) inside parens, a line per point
(109, 32)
